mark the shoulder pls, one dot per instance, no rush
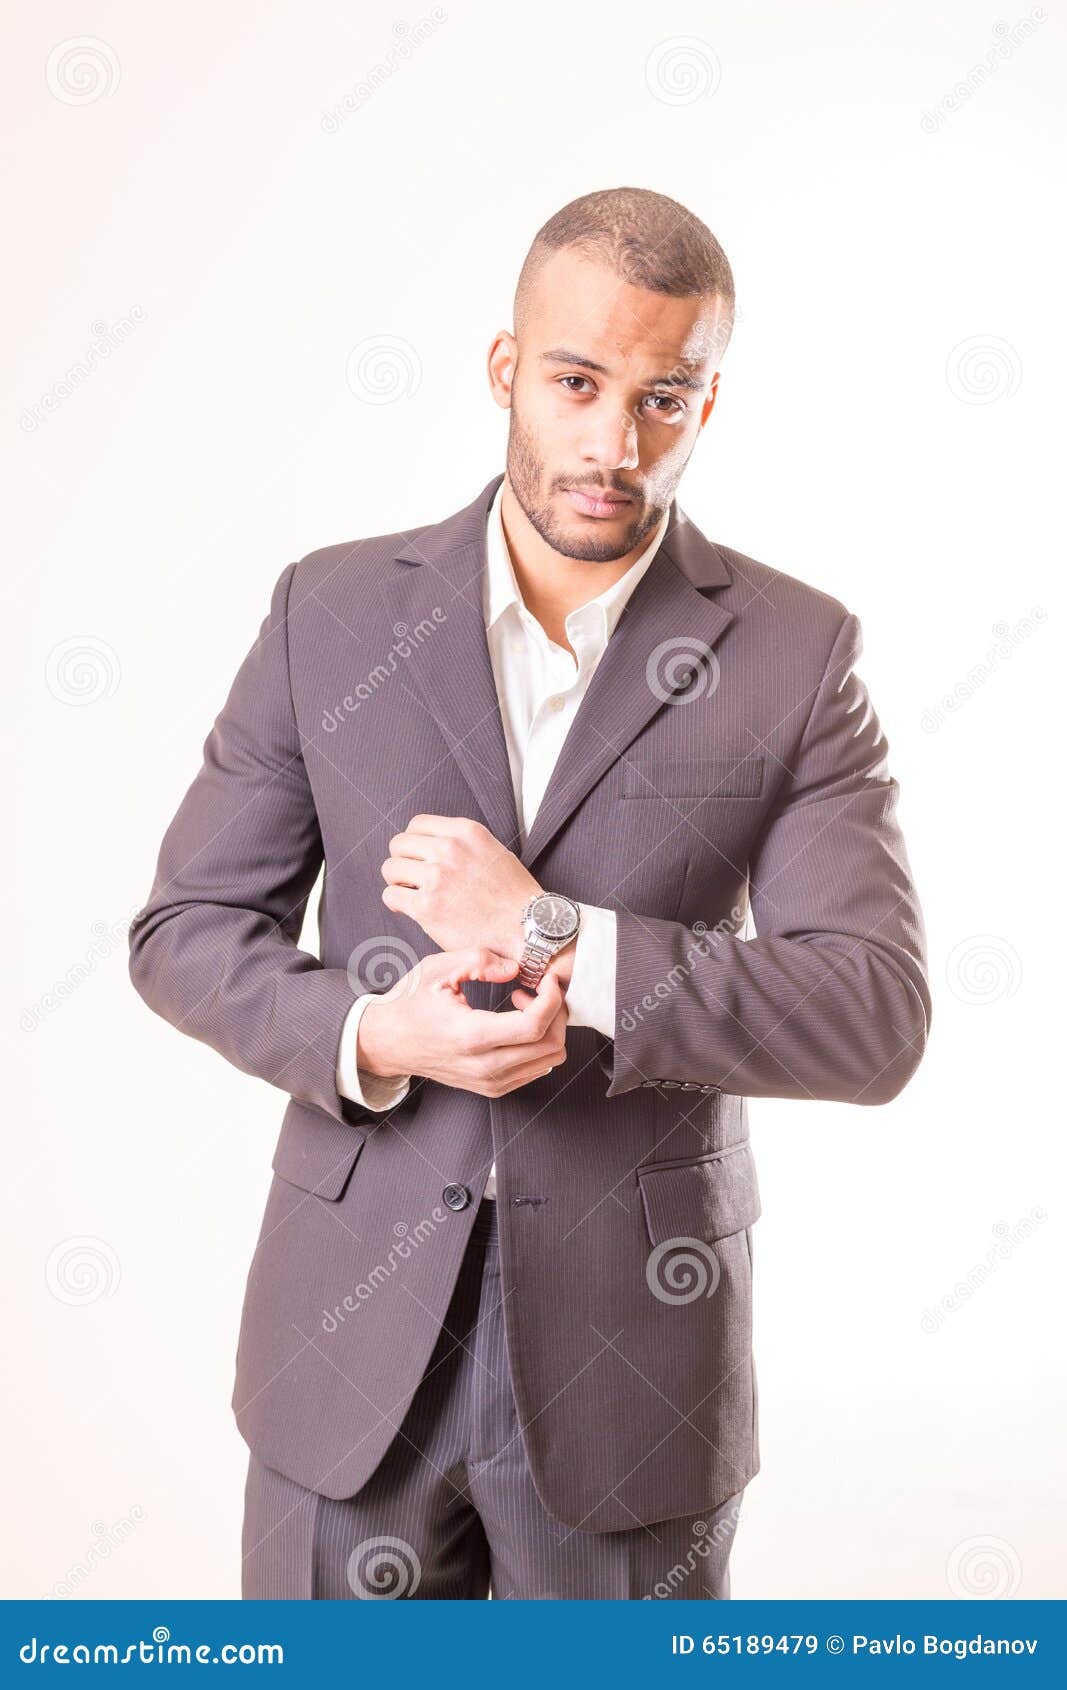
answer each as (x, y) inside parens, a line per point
(780, 607)
(338, 567)
(753, 583)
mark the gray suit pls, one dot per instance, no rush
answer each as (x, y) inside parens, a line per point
(726, 756)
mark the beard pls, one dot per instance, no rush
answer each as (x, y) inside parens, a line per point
(526, 472)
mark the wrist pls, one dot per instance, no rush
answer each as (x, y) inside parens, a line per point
(376, 1051)
(515, 927)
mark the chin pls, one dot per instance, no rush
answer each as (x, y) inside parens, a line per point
(592, 542)
(628, 524)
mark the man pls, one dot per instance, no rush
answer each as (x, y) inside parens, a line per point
(552, 751)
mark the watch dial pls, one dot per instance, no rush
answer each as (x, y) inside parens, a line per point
(554, 916)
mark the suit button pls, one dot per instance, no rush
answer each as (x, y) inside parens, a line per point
(671, 1085)
(456, 1196)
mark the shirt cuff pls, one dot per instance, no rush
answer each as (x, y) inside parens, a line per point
(373, 1091)
(591, 993)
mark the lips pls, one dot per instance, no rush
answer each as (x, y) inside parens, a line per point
(598, 502)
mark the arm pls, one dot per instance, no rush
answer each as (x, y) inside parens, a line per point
(214, 950)
(830, 1000)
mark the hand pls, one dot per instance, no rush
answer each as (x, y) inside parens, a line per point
(456, 880)
(424, 1025)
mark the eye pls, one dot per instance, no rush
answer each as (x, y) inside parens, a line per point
(676, 408)
(575, 378)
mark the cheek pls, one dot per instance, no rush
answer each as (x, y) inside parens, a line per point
(545, 430)
(668, 455)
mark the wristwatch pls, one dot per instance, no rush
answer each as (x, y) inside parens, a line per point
(550, 921)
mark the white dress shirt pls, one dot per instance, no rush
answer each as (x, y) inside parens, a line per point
(539, 688)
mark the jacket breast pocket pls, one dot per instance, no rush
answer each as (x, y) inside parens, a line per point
(708, 1198)
(315, 1152)
(729, 775)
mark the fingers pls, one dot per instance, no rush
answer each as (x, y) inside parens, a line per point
(550, 1053)
(402, 872)
(495, 1073)
(529, 1071)
(520, 997)
(557, 1027)
(524, 1025)
(478, 963)
(411, 844)
(448, 827)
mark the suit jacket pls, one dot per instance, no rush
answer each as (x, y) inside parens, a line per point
(726, 758)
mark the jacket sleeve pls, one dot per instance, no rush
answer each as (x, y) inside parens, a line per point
(830, 999)
(214, 950)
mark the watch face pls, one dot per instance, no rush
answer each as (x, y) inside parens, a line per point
(556, 917)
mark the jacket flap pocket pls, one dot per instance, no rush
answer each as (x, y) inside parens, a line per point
(708, 1198)
(730, 775)
(316, 1152)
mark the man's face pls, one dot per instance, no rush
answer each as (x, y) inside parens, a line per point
(611, 387)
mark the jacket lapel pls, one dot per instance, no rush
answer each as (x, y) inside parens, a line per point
(438, 586)
(662, 641)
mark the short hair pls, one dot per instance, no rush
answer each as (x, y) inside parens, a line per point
(648, 239)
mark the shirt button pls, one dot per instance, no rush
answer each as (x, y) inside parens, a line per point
(555, 704)
(456, 1196)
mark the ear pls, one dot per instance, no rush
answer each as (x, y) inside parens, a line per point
(503, 360)
(709, 403)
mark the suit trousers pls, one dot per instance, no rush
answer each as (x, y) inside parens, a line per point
(452, 1510)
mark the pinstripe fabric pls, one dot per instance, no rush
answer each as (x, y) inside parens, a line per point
(453, 1509)
(725, 759)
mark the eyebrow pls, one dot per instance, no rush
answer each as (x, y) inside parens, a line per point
(563, 355)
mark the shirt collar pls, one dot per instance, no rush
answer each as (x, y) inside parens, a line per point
(500, 588)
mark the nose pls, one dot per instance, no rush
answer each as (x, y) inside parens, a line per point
(610, 440)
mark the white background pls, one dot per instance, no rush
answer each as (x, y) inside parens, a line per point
(196, 193)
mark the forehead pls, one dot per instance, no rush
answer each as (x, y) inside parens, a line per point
(581, 303)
